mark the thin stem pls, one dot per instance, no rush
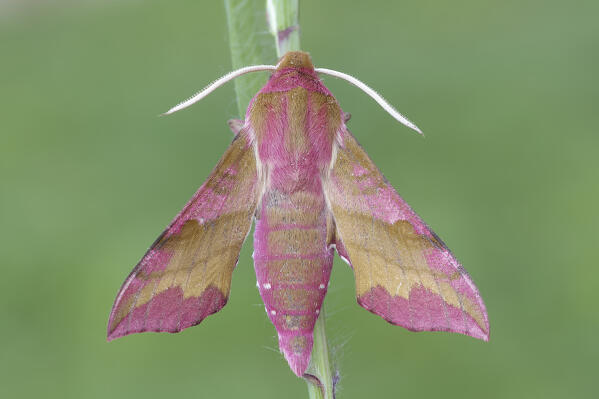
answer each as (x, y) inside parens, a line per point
(319, 364)
(283, 19)
(251, 44)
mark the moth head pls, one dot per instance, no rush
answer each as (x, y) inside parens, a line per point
(295, 59)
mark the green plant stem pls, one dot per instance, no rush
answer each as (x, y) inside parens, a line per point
(251, 41)
(251, 44)
(319, 363)
(283, 21)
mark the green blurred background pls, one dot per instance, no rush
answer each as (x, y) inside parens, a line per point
(506, 93)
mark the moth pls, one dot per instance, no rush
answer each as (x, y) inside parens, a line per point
(295, 169)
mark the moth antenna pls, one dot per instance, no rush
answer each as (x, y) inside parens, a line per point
(216, 84)
(372, 93)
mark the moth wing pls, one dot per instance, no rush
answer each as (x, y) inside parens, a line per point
(404, 272)
(186, 274)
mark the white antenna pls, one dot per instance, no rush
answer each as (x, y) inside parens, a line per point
(217, 83)
(376, 96)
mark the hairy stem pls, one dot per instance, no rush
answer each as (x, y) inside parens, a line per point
(283, 20)
(251, 41)
(320, 378)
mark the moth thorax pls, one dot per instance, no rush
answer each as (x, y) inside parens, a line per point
(295, 59)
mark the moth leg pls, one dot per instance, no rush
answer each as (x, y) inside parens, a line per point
(346, 117)
(235, 125)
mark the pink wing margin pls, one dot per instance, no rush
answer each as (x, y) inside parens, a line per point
(186, 274)
(404, 272)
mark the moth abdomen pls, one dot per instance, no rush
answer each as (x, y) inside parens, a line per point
(293, 261)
